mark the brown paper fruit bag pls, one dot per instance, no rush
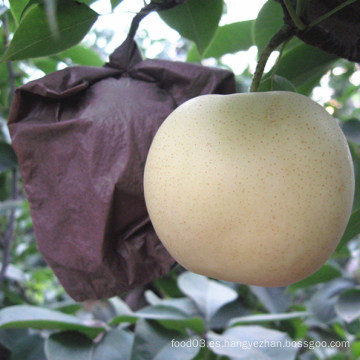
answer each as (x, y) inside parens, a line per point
(81, 136)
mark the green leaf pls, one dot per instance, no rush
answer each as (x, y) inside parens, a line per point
(86, 2)
(156, 343)
(238, 343)
(67, 307)
(196, 20)
(168, 316)
(276, 83)
(351, 129)
(355, 155)
(8, 159)
(167, 284)
(30, 347)
(119, 306)
(267, 24)
(274, 299)
(9, 337)
(181, 349)
(348, 305)
(324, 274)
(268, 317)
(352, 229)
(82, 55)
(50, 7)
(46, 64)
(68, 345)
(184, 304)
(22, 316)
(116, 344)
(230, 38)
(209, 295)
(17, 8)
(355, 348)
(304, 65)
(115, 3)
(33, 38)
(231, 310)
(322, 303)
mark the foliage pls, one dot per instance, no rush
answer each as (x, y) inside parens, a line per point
(182, 315)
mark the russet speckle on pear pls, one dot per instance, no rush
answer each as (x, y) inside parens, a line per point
(253, 188)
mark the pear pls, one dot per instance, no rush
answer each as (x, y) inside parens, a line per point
(253, 188)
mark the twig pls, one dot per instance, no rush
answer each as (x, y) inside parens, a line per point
(284, 34)
(147, 9)
(277, 63)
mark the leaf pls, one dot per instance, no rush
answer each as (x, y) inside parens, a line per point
(274, 299)
(180, 349)
(68, 345)
(352, 229)
(69, 308)
(30, 347)
(276, 83)
(170, 317)
(268, 317)
(50, 10)
(252, 342)
(351, 129)
(196, 20)
(119, 306)
(115, 3)
(355, 155)
(231, 310)
(87, 2)
(209, 295)
(355, 348)
(168, 284)
(82, 55)
(46, 64)
(304, 65)
(21, 316)
(8, 159)
(186, 305)
(116, 344)
(267, 23)
(17, 8)
(348, 305)
(156, 343)
(230, 38)
(324, 274)
(323, 301)
(33, 37)
(9, 337)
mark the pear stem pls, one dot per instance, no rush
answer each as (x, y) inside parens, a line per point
(285, 33)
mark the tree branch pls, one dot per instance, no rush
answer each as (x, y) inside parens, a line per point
(284, 34)
(152, 6)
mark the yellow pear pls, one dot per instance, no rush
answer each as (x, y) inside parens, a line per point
(253, 188)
